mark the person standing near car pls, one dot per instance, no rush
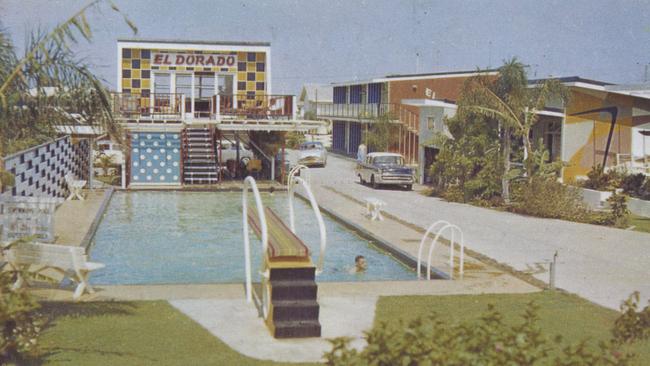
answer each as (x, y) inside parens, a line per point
(361, 153)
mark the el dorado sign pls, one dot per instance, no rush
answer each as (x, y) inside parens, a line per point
(191, 59)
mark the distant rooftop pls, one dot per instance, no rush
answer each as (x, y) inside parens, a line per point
(571, 79)
(187, 41)
(392, 76)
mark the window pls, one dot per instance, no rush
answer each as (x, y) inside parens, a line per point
(184, 85)
(161, 83)
(203, 85)
(226, 84)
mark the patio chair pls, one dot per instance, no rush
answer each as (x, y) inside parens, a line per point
(75, 186)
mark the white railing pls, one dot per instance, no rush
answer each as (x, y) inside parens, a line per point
(441, 226)
(293, 181)
(249, 182)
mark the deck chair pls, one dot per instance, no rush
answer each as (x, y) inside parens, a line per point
(75, 186)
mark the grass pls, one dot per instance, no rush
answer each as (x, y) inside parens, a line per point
(571, 317)
(153, 332)
(131, 333)
(640, 223)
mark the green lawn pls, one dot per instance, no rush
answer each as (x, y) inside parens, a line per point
(131, 333)
(640, 223)
(571, 317)
(143, 333)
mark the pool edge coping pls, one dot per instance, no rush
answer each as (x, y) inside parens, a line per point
(99, 215)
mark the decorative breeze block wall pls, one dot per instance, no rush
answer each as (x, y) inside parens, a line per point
(155, 158)
(41, 170)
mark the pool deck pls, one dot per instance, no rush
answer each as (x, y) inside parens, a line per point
(347, 308)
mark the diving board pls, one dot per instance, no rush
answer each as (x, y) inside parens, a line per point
(289, 290)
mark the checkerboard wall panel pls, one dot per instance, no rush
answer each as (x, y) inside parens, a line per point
(41, 170)
(250, 70)
(155, 158)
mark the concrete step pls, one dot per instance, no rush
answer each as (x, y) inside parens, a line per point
(293, 310)
(297, 329)
(294, 290)
(295, 274)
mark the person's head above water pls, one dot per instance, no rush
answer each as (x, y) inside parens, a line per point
(360, 263)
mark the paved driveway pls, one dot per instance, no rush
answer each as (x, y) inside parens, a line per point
(601, 264)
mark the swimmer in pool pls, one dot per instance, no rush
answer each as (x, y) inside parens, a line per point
(360, 265)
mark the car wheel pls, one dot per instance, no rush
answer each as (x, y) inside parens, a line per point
(409, 187)
(372, 182)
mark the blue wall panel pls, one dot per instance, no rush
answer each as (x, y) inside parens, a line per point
(340, 95)
(374, 93)
(155, 158)
(355, 94)
(338, 136)
(355, 137)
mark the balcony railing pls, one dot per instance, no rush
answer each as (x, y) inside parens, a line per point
(255, 106)
(369, 112)
(154, 106)
(170, 106)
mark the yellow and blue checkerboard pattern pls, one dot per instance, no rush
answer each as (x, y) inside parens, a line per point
(137, 69)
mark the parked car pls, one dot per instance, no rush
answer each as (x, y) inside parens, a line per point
(312, 153)
(229, 152)
(385, 168)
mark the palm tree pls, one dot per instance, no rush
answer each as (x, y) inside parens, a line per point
(45, 87)
(514, 104)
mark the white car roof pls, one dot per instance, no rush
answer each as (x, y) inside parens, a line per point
(375, 154)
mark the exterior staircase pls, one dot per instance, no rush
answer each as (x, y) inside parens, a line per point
(293, 309)
(199, 156)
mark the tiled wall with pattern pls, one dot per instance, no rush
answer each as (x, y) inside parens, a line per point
(41, 170)
(155, 158)
(137, 68)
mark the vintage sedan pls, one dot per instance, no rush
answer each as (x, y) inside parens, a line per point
(312, 153)
(385, 168)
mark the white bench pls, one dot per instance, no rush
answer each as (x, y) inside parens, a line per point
(71, 261)
(75, 186)
(374, 207)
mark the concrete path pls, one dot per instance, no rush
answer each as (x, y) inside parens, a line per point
(598, 263)
(238, 324)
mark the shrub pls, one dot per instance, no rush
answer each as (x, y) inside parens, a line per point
(549, 198)
(633, 184)
(600, 180)
(619, 214)
(20, 326)
(294, 139)
(432, 340)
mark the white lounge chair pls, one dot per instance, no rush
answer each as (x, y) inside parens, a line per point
(75, 186)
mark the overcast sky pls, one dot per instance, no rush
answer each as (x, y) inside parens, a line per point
(334, 40)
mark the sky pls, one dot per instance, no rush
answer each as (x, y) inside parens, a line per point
(342, 40)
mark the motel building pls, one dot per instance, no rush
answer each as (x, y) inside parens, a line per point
(197, 112)
(417, 102)
(603, 123)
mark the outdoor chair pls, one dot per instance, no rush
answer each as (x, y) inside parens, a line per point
(75, 186)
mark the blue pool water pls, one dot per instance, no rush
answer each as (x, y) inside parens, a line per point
(196, 237)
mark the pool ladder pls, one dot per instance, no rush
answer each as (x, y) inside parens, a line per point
(442, 226)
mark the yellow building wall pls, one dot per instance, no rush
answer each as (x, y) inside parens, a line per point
(585, 135)
(137, 69)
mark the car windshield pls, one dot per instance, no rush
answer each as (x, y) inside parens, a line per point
(311, 146)
(388, 160)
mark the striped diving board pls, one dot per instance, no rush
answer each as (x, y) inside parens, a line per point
(284, 245)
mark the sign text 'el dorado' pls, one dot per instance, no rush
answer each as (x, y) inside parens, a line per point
(191, 59)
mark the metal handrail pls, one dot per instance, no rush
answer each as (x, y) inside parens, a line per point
(249, 182)
(292, 173)
(319, 217)
(454, 229)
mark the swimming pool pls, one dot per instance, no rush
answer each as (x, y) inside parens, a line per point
(196, 237)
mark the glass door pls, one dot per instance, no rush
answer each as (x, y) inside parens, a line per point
(184, 87)
(204, 90)
(227, 97)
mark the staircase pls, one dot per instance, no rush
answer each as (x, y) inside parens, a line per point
(199, 157)
(293, 309)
